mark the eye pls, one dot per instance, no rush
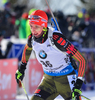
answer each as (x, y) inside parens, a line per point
(36, 26)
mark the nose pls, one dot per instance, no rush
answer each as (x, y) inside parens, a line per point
(33, 30)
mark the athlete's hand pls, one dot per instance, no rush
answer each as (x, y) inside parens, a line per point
(19, 75)
(20, 72)
(76, 92)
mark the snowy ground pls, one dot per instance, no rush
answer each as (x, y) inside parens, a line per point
(89, 94)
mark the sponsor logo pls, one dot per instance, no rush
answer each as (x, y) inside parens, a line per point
(43, 24)
(43, 20)
(34, 20)
(42, 54)
(65, 44)
(5, 81)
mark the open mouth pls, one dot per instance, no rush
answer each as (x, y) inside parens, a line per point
(35, 34)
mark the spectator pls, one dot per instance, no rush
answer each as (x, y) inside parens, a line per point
(6, 21)
(71, 20)
(22, 26)
(87, 33)
(1, 54)
(90, 70)
(75, 38)
(62, 22)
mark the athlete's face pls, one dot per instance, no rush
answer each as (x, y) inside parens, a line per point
(36, 30)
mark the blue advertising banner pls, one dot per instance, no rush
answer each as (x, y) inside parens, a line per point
(16, 51)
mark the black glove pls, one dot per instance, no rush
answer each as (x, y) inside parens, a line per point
(76, 92)
(20, 72)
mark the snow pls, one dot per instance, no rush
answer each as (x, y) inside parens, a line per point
(88, 94)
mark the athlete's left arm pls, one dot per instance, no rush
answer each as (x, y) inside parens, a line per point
(65, 46)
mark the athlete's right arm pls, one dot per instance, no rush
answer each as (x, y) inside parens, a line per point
(25, 57)
(27, 50)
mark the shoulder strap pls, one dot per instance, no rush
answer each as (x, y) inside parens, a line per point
(50, 38)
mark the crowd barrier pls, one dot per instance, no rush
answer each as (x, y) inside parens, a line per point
(35, 74)
(7, 79)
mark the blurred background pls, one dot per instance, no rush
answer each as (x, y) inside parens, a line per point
(76, 19)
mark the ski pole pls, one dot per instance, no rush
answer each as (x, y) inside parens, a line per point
(77, 97)
(24, 89)
(53, 16)
(85, 97)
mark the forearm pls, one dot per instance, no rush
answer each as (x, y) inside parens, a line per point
(82, 63)
(26, 54)
(77, 55)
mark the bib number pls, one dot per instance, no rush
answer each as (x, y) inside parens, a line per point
(46, 63)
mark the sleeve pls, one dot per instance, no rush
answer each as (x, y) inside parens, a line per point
(64, 45)
(27, 50)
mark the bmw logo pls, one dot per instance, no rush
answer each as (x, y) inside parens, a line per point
(42, 54)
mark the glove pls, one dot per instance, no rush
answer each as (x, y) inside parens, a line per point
(76, 90)
(20, 72)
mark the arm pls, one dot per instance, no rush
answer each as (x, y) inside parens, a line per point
(25, 57)
(65, 46)
(27, 51)
(26, 54)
